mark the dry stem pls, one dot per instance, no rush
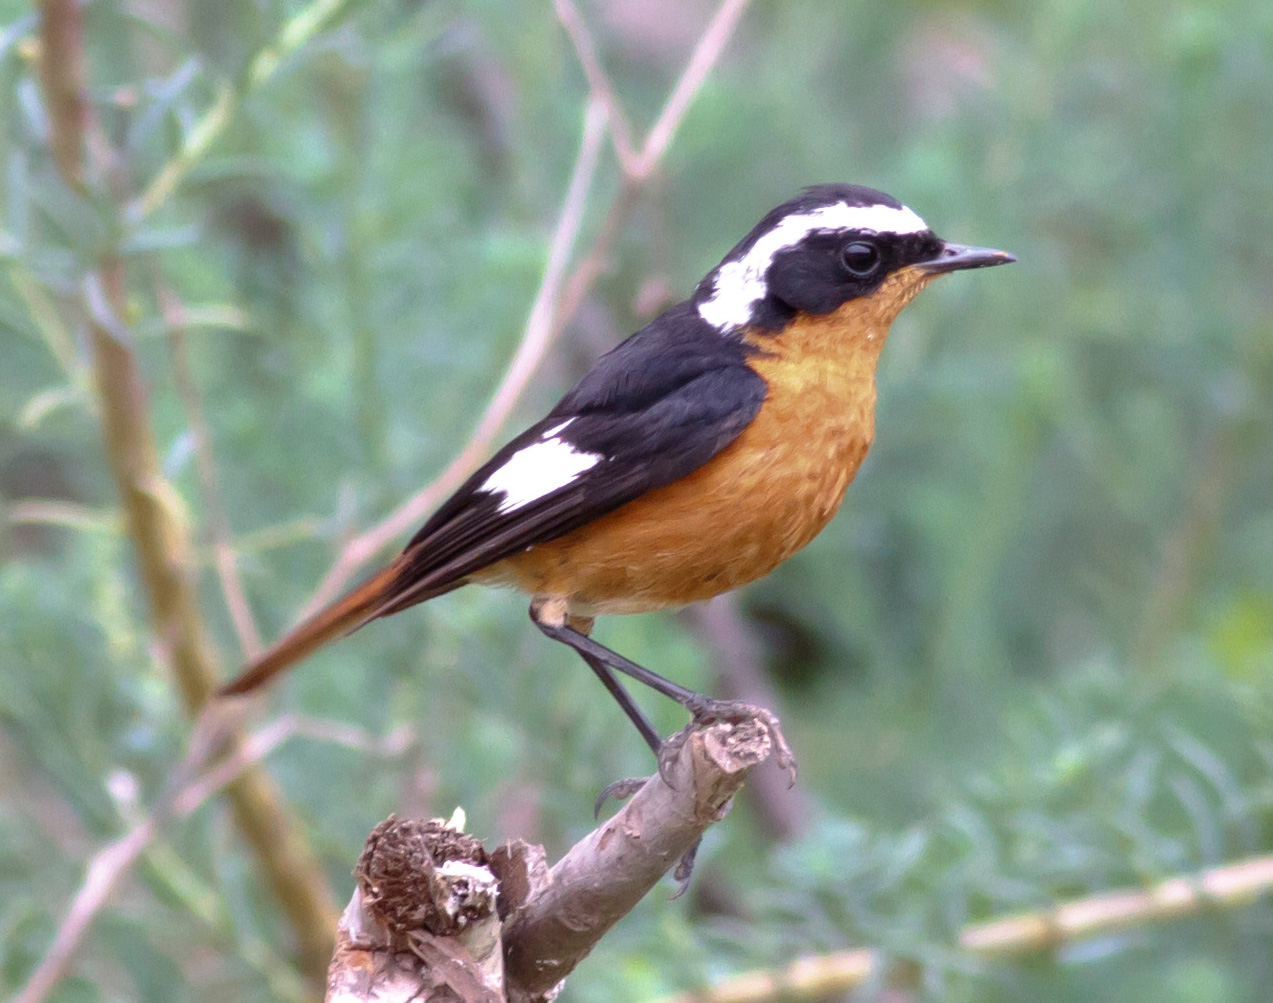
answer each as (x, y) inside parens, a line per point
(182, 798)
(832, 975)
(542, 327)
(151, 516)
(706, 52)
(598, 83)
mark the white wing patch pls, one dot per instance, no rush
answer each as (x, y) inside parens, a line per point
(538, 470)
(740, 284)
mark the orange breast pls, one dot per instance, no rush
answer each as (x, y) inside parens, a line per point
(748, 509)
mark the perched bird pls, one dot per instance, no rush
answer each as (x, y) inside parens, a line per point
(699, 454)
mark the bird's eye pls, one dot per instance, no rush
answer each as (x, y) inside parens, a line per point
(860, 258)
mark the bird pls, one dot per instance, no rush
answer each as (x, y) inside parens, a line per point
(695, 457)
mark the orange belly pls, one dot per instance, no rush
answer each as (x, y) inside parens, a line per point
(744, 512)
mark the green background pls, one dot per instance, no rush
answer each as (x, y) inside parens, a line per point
(1031, 658)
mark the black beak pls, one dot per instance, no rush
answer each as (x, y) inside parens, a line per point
(953, 257)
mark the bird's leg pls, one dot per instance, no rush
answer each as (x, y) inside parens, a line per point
(635, 714)
(703, 709)
(583, 625)
(574, 631)
(625, 788)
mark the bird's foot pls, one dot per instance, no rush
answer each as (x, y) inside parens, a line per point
(706, 710)
(620, 790)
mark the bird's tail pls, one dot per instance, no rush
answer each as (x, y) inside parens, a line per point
(341, 617)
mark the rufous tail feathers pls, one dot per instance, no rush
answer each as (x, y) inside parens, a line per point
(341, 617)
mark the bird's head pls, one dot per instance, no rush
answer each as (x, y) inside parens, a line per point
(830, 246)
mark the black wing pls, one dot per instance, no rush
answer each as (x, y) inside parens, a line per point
(651, 411)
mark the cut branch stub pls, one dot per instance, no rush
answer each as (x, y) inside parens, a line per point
(422, 924)
(434, 918)
(400, 877)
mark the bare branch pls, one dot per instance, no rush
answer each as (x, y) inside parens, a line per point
(704, 57)
(620, 132)
(638, 166)
(192, 784)
(597, 259)
(605, 874)
(421, 928)
(814, 978)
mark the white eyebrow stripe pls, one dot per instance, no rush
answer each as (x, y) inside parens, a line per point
(537, 470)
(741, 284)
(880, 218)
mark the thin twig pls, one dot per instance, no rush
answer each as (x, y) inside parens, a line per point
(53, 330)
(638, 166)
(224, 557)
(182, 798)
(704, 57)
(598, 82)
(830, 975)
(282, 534)
(597, 259)
(559, 296)
(109, 865)
(349, 736)
(67, 514)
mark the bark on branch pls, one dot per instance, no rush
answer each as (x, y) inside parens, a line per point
(436, 918)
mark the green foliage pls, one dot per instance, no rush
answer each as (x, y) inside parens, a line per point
(1028, 661)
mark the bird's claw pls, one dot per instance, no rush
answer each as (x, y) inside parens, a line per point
(668, 752)
(620, 790)
(684, 868)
